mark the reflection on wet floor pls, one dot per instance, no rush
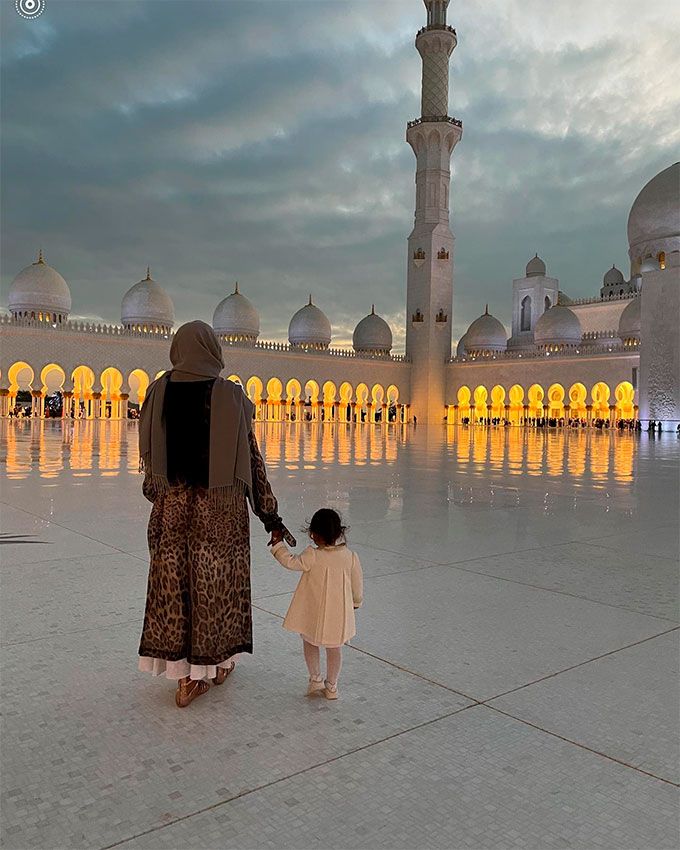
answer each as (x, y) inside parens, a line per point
(109, 449)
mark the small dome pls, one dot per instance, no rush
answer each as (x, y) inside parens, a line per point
(558, 326)
(372, 334)
(535, 267)
(485, 334)
(613, 277)
(39, 288)
(236, 317)
(630, 321)
(460, 348)
(146, 304)
(309, 328)
(654, 219)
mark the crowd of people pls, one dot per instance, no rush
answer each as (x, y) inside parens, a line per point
(572, 422)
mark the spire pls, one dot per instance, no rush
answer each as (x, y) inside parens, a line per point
(372, 309)
(310, 300)
(236, 288)
(486, 310)
(41, 260)
(148, 273)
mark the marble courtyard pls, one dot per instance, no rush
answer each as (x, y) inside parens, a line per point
(513, 682)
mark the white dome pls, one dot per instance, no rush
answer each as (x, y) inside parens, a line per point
(613, 277)
(236, 316)
(486, 334)
(535, 267)
(372, 334)
(309, 328)
(147, 304)
(558, 326)
(630, 321)
(460, 348)
(654, 219)
(40, 288)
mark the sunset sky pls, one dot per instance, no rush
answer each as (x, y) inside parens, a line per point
(264, 142)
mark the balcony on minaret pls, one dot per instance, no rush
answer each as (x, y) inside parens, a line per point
(418, 316)
(441, 317)
(442, 254)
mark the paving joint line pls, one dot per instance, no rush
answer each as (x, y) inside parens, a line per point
(264, 786)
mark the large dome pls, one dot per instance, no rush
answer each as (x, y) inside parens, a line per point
(147, 306)
(309, 328)
(236, 318)
(654, 220)
(535, 267)
(485, 334)
(372, 335)
(460, 348)
(630, 322)
(39, 289)
(558, 326)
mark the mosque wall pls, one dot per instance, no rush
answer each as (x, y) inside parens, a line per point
(600, 315)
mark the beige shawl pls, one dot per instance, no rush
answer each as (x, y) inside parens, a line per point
(196, 355)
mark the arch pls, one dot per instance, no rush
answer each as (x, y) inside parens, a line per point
(138, 381)
(392, 394)
(52, 378)
(577, 401)
(525, 315)
(83, 389)
(345, 406)
(536, 394)
(481, 396)
(112, 381)
(377, 402)
(20, 376)
(274, 409)
(516, 398)
(274, 389)
(625, 400)
(498, 402)
(463, 397)
(362, 394)
(235, 379)
(329, 392)
(254, 392)
(556, 401)
(312, 391)
(293, 390)
(600, 395)
(546, 303)
(346, 392)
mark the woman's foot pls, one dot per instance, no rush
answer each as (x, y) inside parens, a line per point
(188, 690)
(330, 690)
(315, 685)
(222, 673)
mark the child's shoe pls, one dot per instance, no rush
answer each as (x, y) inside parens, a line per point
(330, 690)
(315, 686)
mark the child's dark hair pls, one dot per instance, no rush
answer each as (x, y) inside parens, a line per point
(327, 525)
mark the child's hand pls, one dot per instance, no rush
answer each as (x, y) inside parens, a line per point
(277, 537)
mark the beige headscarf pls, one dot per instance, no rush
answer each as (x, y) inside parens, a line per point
(196, 355)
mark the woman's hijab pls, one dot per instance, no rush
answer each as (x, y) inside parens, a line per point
(196, 355)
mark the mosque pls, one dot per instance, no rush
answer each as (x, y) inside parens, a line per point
(613, 356)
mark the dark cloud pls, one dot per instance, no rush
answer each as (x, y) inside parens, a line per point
(264, 142)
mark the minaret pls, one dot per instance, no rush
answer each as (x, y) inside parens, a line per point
(429, 297)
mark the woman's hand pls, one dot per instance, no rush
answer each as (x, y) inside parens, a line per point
(277, 537)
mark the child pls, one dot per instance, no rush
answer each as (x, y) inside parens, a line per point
(330, 588)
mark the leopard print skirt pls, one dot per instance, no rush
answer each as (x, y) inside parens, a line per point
(198, 594)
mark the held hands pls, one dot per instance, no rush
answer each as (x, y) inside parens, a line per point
(276, 537)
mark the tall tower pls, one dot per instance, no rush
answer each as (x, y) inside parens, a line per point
(429, 296)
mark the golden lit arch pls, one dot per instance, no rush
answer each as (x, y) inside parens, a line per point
(377, 394)
(312, 390)
(516, 395)
(20, 376)
(254, 389)
(498, 401)
(392, 394)
(293, 390)
(112, 381)
(362, 393)
(83, 381)
(52, 378)
(536, 394)
(138, 381)
(235, 379)
(346, 392)
(329, 392)
(464, 395)
(481, 395)
(625, 400)
(600, 395)
(577, 400)
(274, 389)
(556, 401)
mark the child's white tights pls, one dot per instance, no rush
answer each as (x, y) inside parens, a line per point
(333, 661)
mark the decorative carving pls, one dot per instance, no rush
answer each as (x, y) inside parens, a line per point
(442, 254)
(441, 316)
(419, 254)
(418, 316)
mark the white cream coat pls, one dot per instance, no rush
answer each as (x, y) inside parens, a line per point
(330, 588)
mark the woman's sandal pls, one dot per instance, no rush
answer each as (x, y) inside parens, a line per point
(188, 690)
(222, 673)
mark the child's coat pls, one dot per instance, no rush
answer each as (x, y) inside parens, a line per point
(330, 587)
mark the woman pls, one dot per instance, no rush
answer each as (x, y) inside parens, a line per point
(201, 464)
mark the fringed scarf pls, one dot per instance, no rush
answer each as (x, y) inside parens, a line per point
(196, 355)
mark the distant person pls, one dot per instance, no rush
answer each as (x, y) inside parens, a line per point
(329, 590)
(202, 464)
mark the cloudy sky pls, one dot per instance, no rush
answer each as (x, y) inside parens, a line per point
(263, 141)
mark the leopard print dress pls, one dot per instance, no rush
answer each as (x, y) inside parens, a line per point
(198, 593)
